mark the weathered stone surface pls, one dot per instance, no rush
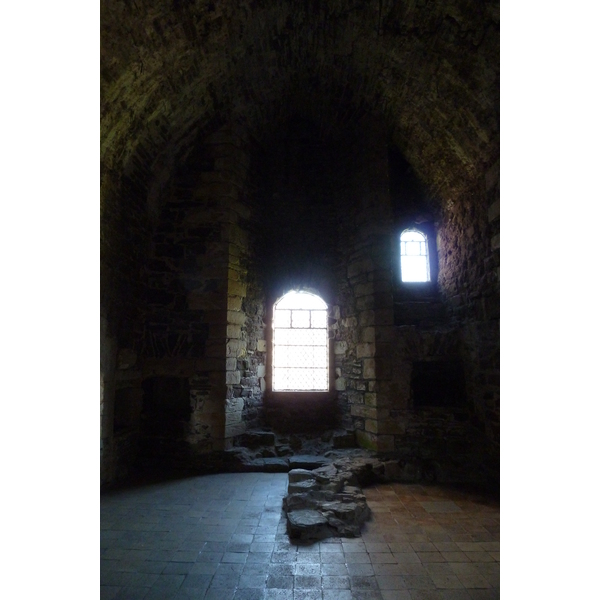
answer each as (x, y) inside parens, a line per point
(307, 525)
(305, 485)
(332, 492)
(283, 450)
(307, 462)
(276, 465)
(296, 475)
(268, 465)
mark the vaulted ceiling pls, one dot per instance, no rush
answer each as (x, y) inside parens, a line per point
(172, 70)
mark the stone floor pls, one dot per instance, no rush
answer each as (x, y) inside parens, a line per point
(223, 536)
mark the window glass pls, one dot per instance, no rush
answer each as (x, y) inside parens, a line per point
(414, 257)
(301, 318)
(300, 343)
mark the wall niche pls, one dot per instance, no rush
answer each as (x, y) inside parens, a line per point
(438, 383)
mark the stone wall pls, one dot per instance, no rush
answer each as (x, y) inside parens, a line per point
(194, 334)
(384, 329)
(365, 301)
(234, 234)
(469, 241)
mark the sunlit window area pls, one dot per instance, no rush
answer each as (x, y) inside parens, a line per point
(414, 257)
(300, 343)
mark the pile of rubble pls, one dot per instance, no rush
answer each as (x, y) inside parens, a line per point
(328, 500)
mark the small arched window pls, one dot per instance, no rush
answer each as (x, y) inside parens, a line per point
(300, 343)
(414, 256)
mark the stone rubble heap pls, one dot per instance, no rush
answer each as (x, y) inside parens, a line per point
(328, 501)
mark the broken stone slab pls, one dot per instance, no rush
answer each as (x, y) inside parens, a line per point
(307, 485)
(307, 524)
(352, 513)
(300, 475)
(268, 465)
(283, 450)
(307, 461)
(276, 465)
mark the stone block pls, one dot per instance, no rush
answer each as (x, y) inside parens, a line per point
(234, 405)
(355, 397)
(234, 302)
(232, 377)
(369, 368)
(236, 348)
(236, 317)
(261, 346)
(234, 275)
(349, 323)
(340, 347)
(307, 524)
(366, 440)
(234, 429)
(367, 334)
(302, 487)
(363, 411)
(233, 418)
(366, 318)
(371, 425)
(261, 371)
(340, 384)
(236, 288)
(365, 350)
(234, 331)
(370, 399)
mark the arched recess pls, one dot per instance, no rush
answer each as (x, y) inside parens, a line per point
(299, 394)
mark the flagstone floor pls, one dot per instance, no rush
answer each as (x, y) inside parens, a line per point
(224, 537)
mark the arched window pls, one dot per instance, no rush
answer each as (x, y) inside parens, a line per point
(300, 343)
(414, 256)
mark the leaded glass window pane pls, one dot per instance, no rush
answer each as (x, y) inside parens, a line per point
(300, 343)
(414, 257)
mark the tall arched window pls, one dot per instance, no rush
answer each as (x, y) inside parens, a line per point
(414, 256)
(300, 343)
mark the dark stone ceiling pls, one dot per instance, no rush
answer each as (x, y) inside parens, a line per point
(174, 70)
